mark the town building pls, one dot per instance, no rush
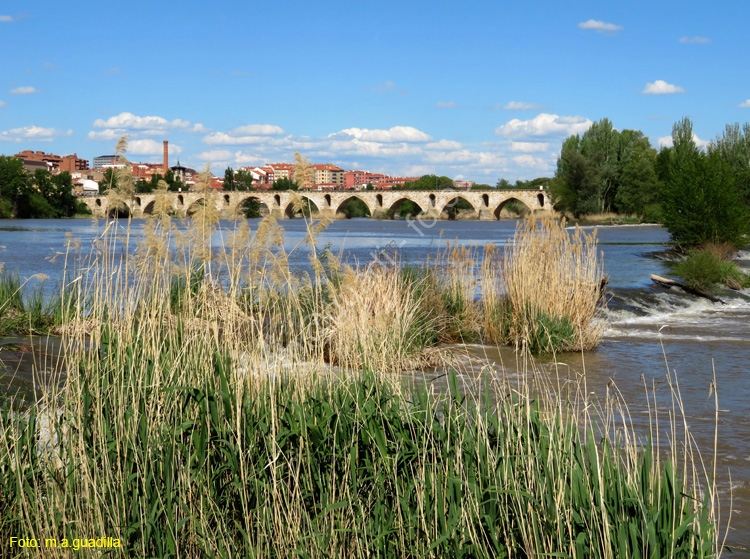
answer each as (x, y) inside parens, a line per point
(328, 174)
(33, 160)
(101, 161)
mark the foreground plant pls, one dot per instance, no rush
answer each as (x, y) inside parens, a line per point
(552, 282)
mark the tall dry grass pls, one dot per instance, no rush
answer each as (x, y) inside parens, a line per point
(552, 283)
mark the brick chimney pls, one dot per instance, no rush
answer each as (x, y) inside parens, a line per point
(166, 156)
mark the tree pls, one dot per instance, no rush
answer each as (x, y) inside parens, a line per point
(109, 181)
(284, 184)
(734, 147)
(605, 170)
(229, 179)
(702, 199)
(429, 182)
(638, 187)
(503, 184)
(243, 180)
(576, 180)
(13, 180)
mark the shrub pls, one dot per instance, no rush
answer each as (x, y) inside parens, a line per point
(705, 268)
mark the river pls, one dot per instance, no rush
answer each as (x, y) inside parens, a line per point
(649, 328)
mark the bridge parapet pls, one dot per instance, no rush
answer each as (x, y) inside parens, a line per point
(284, 204)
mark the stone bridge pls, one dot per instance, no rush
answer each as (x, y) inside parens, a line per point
(435, 204)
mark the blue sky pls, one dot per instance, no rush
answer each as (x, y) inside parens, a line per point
(472, 90)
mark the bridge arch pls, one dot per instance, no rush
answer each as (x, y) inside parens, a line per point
(340, 206)
(454, 205)
(513, 205)
(399, 204)
(252, 206)
(303, 206)
(195, 206)
(118, 211)
(149, 208)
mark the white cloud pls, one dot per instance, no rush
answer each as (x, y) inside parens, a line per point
(695, 40)
(259, 130)
(529, 147)
(660, 87)
(49, 66)
(114, 71)
(531, 162)
(37, 133)
(149, 124)
(108, 135)
(395, 134)
(6, 19)
(215, 155)
(666, 141)
(544, 125)
(745, 104)
(443, 144)
(445, 105)
(224, 139)
(151, 147)
(599, 26)
(24, 90)
(3, 104)
(521, 106)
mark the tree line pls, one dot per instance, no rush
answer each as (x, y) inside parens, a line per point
(35, 195)
(699, 195)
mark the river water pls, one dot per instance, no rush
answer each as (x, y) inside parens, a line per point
(650, 330)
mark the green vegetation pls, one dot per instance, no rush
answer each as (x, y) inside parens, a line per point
(703, 192)
(251, 208)
(284, 184)
(223, 467)
(241, 180)
(355, 207)
(504, 184)
(708, 267)
(428, 182)
(701, 196)
(605, 171)
(37, 195)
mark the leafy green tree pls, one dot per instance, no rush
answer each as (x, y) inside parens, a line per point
(109, 181)
(429, 182)
(638, 187)
(605, 170)
(243, 180)
(284, 184)
(503, 184)
(229, 179)
(251, 208)
(61, 196)
(14, 180)
(702, 199)
(577, 180)
(733, 146)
